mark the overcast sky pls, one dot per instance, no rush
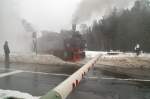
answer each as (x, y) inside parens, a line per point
(55, 15)
(48, 14)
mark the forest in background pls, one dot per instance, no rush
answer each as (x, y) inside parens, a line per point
(121, 30)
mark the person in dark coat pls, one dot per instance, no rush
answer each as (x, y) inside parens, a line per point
(7, 52)
(137, 49)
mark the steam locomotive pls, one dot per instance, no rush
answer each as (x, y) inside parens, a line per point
(68, 45)
(74, 46)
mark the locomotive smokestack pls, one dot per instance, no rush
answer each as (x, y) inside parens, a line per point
(74, 27)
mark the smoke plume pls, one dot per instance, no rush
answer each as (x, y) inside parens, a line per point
(87, 8)
(11, 28)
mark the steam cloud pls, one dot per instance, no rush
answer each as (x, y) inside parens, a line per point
(89, 7)
(11, 28)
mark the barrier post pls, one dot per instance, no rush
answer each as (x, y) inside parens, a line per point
(66, 87)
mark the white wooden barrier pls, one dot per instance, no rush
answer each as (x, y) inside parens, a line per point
(67, 86)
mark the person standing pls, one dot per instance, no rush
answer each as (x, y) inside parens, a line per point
(7, 52)
(137, 49)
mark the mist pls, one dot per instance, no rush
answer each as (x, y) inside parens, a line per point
(89, 8)
(11, 28)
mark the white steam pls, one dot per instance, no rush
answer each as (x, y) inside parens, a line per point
(11, 28)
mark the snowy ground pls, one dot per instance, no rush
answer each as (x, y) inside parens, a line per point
(123, 62)
(32, 58)
(126, 60)
(121, 59)
(91, 54)
(29, 58)
(126, 64)
(9, 93)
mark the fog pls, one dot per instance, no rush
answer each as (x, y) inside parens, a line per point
(52, 15)
(89, 8)
(11, 28)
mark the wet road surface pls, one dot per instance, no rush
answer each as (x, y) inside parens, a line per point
(43, 78)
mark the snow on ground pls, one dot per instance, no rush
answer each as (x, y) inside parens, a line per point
(92, 54)
(127, 60)
(33, 58)
(124, 63)
(16, 94)
(120, 59)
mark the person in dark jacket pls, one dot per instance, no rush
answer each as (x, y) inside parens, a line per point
(137, 49)
(7, 52)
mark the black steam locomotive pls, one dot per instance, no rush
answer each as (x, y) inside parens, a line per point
(74, 46)
(68, 45)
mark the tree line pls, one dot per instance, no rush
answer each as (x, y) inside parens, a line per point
(121, 30)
